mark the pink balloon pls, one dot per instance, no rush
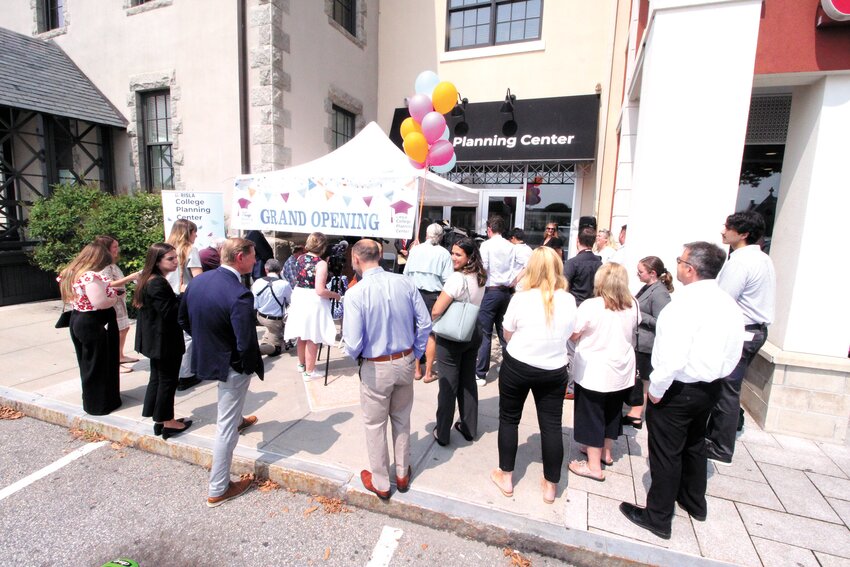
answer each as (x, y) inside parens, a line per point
(416, 164)
(441, 152)
(433, 126)
(418, 106)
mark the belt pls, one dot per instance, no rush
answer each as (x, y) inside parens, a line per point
(388, 357)
(500, 287)
(270, 317)
(756, 327)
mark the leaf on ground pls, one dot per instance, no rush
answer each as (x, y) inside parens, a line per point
(267, 485)
(285, 510)
(424, 546)
(332, 505)
(86, 435)
(310, 510)
(327, 553)
(517, 560)
(245, 476)
(10, 413)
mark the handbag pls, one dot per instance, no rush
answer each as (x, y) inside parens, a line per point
(64, 320)
(458, 322)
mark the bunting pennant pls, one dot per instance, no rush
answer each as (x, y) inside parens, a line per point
(252, 192)
(389, 195)
(347, 200)
(285, 197)
(368, 201)
(328, 195)
(302, 192)
(310, 184)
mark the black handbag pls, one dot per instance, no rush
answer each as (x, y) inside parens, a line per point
(64, 320)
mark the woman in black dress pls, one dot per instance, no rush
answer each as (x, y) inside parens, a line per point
(160, 338)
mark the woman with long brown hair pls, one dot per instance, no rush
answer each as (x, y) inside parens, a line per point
(117, 281)
(603, 367)
(182, 238)
(160, 338)
(537, 324)
(455, 359)
(93, 327)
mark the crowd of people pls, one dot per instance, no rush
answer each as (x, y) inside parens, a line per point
(566, 330)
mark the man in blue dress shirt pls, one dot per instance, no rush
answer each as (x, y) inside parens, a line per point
(385, 328)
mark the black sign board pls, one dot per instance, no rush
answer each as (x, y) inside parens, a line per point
(541, 129)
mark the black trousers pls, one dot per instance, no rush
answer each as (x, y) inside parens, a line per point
(159, 396)
(677, 461)
(491, 312)
(95, 338)
(723, 421)
(456, 366)
(516, 379)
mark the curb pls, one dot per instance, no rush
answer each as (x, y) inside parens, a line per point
(474, 521)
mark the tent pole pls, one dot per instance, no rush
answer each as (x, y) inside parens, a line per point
(421, 205)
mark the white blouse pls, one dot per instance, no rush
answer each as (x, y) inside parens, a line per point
(535, 342)
(605, 357)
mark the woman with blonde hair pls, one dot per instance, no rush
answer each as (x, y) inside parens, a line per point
(117, 281)
(93, 327)
(604, 248)
(309, 318)
(182, 238)
(537, 324)
(603, 367)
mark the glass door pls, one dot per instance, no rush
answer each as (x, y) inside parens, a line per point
(507, 202)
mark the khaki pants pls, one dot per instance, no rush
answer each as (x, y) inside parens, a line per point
(273, 337)
(386, 393)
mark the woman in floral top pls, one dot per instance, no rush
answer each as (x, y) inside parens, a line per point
(117, 281)
(94, 329)
(309, 317)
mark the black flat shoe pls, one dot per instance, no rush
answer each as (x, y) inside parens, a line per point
(169, 432)
(637, 516)
(460, 430)
(437, 439)
(157, 427)
(186, 383)
(635, 422)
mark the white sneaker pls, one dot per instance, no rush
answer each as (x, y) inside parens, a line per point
(481, 382)
(301, 368)
(310, 376)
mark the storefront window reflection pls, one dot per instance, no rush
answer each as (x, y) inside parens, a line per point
(758, 188)
(555, 205)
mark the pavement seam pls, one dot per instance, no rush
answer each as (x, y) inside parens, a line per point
(494, 527)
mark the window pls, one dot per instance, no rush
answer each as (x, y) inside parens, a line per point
(139, 2)
(344, 14)
(51, 15)
(343, 126)
(156, 122)
(478, 23)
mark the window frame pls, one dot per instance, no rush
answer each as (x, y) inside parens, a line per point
(51, 15)
(349, 6)
(337, 111)
(146, 157)
(493, 4)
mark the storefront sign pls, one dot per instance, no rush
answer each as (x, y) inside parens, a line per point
(377, 207)
(204, 209)
(543, 129)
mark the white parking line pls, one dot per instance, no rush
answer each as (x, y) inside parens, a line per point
(386, 546)
(70, 457)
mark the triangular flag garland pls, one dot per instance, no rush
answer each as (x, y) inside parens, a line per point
(285, 197)
(328, 195)
(368, 201)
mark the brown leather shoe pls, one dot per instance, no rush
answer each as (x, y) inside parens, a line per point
(366, 479)
(246, 423)
(234, 489)
(403, 483)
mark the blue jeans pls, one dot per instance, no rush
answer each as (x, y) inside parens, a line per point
(492, 312)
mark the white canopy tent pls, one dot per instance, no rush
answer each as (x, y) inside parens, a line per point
(367, 187)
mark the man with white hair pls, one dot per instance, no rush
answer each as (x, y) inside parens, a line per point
(430, 265)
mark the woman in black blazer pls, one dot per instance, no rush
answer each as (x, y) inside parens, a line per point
(652, 298)
(160, 338)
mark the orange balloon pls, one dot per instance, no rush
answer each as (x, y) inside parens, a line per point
(409, 125)
(416, 146)
(444, 97)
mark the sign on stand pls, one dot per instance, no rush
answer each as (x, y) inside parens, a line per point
(204, 209)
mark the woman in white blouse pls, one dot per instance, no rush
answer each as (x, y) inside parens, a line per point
(182, 237)
(603, 367)
(456, 360)
(94, 328)
(537, 324)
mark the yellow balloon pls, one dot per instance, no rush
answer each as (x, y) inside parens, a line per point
(416, 146)
(409, 125)
(444, 97)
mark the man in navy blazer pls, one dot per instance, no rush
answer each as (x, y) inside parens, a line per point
(218, 312)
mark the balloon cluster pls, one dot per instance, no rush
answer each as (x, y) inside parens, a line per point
(425, 133)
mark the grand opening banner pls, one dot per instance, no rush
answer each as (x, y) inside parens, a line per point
(382, 207)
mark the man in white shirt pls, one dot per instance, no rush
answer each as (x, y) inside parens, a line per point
(620, 255)
(497, 255)
(698, 341)
(429, 265)
(748, 277)
(522, 253)
(271, 297)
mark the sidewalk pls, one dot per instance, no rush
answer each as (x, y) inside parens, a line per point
(784, 501)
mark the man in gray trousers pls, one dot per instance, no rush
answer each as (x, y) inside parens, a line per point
(218, 311)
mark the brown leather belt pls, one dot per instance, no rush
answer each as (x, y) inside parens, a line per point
(388, 357)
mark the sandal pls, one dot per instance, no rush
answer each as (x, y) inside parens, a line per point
(494, 478)
(610, 463)
(128, 359)
(635, 422)
(580, 468)
(543, 487)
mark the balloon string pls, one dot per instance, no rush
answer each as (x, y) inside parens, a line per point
(421, 205)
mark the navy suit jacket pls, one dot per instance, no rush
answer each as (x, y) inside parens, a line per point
(218, 312)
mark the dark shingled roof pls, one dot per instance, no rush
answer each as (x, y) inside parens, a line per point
(38, 75)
